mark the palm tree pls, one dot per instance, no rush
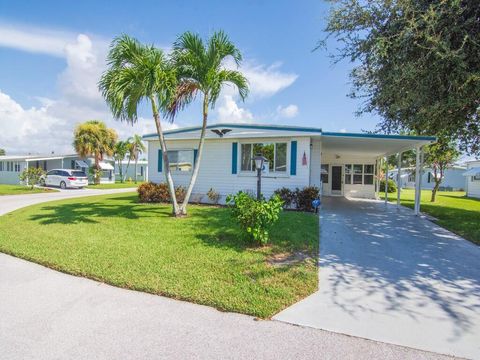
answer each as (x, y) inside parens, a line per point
(93, 138)
(200, 68)
(137, 148)
(137, 73)
(119, 153)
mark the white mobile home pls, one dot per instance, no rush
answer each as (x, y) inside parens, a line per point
(473, 178)
(11, 166)
(343, 164)
(129, 170)
(453, 178)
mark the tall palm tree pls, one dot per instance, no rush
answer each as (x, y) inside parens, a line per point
(138, 73)
(119, 153)
(201, 69)
(137, 148)
(93, 138)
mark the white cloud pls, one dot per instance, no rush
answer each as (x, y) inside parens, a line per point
(289, 111)
(229, 111)
(343, 130)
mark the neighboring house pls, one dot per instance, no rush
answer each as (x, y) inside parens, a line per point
(11, 166)
(142, 170)
(453, 178)
(473, 178)
(343, 164)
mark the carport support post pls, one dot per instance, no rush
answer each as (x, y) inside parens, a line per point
(386, 180)
(399, 168)
(418, 179)
(377, 171)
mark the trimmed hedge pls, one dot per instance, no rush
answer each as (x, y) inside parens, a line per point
(392, 186)
(158, 193)
(298, 199)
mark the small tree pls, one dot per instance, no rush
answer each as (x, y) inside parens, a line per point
(31, 176)
(137, 148)
(2, 152)
(438, 157)
(119, 153)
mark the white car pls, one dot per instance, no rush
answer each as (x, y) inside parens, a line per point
(66, 178)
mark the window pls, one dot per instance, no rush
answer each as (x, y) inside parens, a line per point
(275, 153)
(141, 170)
(17, 167)
(476, 177)
(180, 160)
(357, 174)
(1, 165)
(348, 174)
(45, 165)
(368, 171)
(72, 164)
(324, 173)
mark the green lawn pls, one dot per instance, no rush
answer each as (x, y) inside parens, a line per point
(21, 189)
(200, 258)
(453, 210)
(117, 185)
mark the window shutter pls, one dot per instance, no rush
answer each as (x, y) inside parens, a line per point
(293, 158)
(234, 157)
(195, 152)
(160, 161)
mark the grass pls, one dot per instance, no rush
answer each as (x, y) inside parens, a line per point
(117, 185)
(200, 258)
(21, 189)
(453, 210)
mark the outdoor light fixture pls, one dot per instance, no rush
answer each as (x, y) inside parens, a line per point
(259, 160)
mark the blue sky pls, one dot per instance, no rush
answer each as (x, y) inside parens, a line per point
(52, 53)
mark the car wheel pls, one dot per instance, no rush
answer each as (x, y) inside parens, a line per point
(63, 185)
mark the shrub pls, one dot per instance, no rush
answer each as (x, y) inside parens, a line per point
(287, 196)
(158, 193)
(305, 196)
(255, 217)
(213, 196)
(392, 186)
(32, 176)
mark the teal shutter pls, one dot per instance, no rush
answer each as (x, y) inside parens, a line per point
(195, 152)
(234, 157)
(160, 161)
(293, 158)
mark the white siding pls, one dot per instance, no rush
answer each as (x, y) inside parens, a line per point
(473, 186)
(11, 177)
(315, 162)
(348, 190)
(216, 167)
(453, 177)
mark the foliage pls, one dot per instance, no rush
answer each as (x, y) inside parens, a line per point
(137, 148)
(116, 240)
(305, 196)
(213, 196)
(438, 157)
(138, 73)
(288, 196)
(119, 152)
(32, 176)
(255, 217)
(158, 193)
(2, 152)
(93, 138)
(418, 64)
(392, 186)
(200, 68)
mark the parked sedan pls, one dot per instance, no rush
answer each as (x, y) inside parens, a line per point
(66, 178)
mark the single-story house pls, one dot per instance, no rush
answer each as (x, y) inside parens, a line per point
(142, 170)
(11, 166)
(473, 178)
(341, 164)
(453, 178)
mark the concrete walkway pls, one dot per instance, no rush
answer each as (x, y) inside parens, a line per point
(10, 203)
(393, 277)
(46, 314)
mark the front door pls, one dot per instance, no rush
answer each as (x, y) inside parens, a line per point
(336, 179)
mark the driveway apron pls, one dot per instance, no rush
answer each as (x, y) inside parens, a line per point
(388, 275)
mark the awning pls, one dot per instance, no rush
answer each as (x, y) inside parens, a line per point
(472, 172)
(105, 166)
(81, 163)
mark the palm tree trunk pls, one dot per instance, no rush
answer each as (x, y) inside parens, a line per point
(166, 163)
(120, 172)
(126, 169)
(96, 178)
(196, 165)
(136, 161)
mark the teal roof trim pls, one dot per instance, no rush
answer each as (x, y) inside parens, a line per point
(380, 136)
(239, 126)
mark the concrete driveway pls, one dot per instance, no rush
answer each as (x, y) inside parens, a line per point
(10, 203)
(393, 277)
